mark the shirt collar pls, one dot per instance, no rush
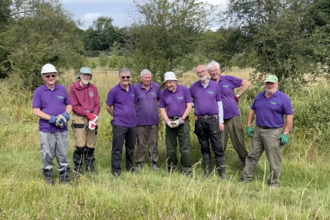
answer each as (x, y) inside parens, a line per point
(46, 88)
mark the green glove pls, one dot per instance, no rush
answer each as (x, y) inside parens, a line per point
(284, 139)
(249, 130)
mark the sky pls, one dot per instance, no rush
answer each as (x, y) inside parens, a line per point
(119, 10)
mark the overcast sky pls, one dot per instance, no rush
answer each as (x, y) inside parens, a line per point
(119, 10)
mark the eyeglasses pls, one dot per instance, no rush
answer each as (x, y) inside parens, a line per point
(202, 71)
(127, 77)
(48, 76)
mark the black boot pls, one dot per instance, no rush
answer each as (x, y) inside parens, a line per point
(78, 155)
(220, 167)
(89, 159)
(207, 165)
(65, 176)
(48, 176)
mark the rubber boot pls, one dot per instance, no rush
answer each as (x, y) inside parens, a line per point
(89, 159)
(65, 176)
(207, 165)
(48, 174)
(78, 155)
(220, 167)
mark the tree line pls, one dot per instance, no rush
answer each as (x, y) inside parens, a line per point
(288, 38)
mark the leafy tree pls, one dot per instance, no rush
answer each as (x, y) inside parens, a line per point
(46, 33)
(166, 35)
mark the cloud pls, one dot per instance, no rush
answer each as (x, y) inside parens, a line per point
(94, 1)
(88, 19)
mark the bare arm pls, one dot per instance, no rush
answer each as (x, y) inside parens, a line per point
(68, 109)
(109, 109)
(40, 114)
(250, 118)
(186, 112)
(288, 123)
(164, 114)
(245, 86)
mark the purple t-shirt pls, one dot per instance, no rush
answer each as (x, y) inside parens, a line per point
(205, 100)
(227, 85)
(270, 112)
(146, 104)
(123, 105)
(175, 103)
(51, 103)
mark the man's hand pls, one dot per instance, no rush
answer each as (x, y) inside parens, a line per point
(60, 121)
(181, 121)
(66, 116)
(236, 98)
(52, 120)
(221, 126)
(284, 139)
(91, 117)
(249, 131)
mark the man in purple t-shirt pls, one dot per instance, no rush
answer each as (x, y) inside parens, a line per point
(271, 131)
(232, 119)
(120, 104)
(206, 96)
(175, 105)
(52, 105)
(147, 97)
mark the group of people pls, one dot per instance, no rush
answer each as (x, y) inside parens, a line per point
(134, 109)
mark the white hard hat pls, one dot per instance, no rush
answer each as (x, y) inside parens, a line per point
(170, 76)
(48, 68)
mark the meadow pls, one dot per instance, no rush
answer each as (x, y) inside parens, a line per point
(304, 191)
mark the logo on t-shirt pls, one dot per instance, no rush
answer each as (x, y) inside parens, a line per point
(179, 98)
(210, 92)
(225, 86)
(274, 103)
(132, 95)
(60, 97)
(91, 94)
(153, 93)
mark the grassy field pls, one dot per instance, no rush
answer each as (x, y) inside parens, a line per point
(304, 191)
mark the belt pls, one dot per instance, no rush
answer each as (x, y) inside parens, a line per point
(176, 118)
(207, 116)
(264, 127)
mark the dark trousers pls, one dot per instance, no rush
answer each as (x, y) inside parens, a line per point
(119, 135)
(182, 133)
(147, 135)
(207, 130)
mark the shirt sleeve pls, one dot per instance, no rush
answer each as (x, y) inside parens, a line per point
(161, 100)
(236, 82)
(158, 92)
(36, 101)
(218, 96)
(287, 107)
(220, 114)
(96, 109)
(187, 95)
(111, 97)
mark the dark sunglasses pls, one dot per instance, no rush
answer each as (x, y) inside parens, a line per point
(48, 76)
(127, 77)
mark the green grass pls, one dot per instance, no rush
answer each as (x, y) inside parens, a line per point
(304, 191)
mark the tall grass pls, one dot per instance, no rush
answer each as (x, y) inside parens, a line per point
(304, 191)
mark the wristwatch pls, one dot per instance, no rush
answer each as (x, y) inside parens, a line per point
(238, 96)
(285, 133)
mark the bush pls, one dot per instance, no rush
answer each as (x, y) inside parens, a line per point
(103, 59)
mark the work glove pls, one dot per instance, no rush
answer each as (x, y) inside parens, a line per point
(284, 139)
(52, 119)
(172, 124)
(236, 99)
(249, 131)
(60, 121)
(66, 116)
(181, 121)
(91, 117)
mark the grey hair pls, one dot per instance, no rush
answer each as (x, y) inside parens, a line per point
(144, 71)
(124, 70)
(213, 63)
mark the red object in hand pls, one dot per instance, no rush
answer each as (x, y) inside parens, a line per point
(236, 99)
(91, 116)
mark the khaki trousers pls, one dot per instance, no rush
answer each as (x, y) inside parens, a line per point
(82, 135)
(147, 135)
(234, 128)
(267, 140)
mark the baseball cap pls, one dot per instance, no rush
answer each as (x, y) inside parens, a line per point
(271, 78)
